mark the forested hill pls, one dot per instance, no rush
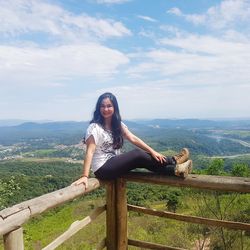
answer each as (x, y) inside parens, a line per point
(204, 137)
(69, 131)
(162, 123)
(196, 123)
(45, 128)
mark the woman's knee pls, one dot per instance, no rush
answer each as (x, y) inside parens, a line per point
(139, 157)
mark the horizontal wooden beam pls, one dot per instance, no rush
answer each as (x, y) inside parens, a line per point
(13, 217)
(211, 182)
(191, 219)
(15, 221)
(148, 245)
(74, 228)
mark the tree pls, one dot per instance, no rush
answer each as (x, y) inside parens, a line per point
(240, 169)
(173, 200)
(7, 190)
(223, 206)
(216, 167)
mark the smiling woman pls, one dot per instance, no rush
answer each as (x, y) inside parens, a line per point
(104, 140)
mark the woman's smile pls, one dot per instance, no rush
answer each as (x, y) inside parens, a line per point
(107, 108)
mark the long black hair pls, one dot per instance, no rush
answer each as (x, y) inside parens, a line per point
(115, 122)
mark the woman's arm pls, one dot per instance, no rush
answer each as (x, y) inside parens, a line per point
(141, 144)
(91, 146)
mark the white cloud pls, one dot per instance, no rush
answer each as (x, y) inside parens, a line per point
(207, 74)
(147, 18)
(228, 13)
(175, 11)
(196, 61)
(224, 15)
(77, 52)
(36, 66)
(207, 44)
(25, 16)
(165, 99)
(170, 29)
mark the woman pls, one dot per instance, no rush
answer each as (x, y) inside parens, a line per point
(104, 140)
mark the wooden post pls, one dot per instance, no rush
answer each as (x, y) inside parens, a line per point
(121, 211)
(14, 240)
(111, 238)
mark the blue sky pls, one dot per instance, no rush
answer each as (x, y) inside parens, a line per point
(162, 59)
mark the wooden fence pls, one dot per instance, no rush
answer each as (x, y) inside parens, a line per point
(116, 207)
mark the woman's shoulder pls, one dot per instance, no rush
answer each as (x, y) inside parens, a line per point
(94, 125)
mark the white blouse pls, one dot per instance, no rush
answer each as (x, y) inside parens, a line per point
(104, 145)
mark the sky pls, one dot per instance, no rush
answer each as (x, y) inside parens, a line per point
(172, 59)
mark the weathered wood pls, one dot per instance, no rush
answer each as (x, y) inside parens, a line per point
(111, 233)
(1, 223)
(14, 240)
(101, 245)
(74, 228)
(223, 183)
(15, 216)
(121, 211)
(148, 245)
(191, 219)
(50, 200)
(15, 221)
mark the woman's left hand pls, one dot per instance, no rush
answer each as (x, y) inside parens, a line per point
(159, 157)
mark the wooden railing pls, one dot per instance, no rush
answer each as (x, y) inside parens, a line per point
(12, 219)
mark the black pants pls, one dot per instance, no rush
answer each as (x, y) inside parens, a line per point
(123, 163)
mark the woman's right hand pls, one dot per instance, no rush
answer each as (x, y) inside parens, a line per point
(83, 180)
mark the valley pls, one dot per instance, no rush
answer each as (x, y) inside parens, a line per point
(37, 159)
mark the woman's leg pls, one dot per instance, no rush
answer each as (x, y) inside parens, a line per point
(123, 163)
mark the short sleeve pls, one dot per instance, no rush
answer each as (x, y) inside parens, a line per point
(92, 130)
(124, 125)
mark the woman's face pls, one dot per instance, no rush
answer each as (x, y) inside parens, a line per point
(107, 108)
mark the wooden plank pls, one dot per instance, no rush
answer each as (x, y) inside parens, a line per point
(61, 196)
(74, 228)
(50, 200)
(191, 219)
(14, 240)
(13, 222)
(121, 211)
(211, 182)
(148, 245)
(15, 216)
(111, 233)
